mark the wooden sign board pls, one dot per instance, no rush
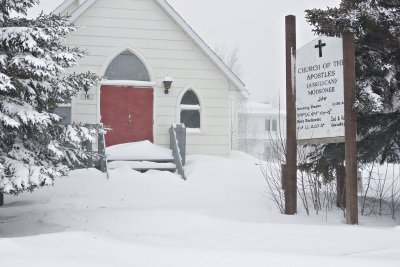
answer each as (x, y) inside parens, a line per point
(320, 92)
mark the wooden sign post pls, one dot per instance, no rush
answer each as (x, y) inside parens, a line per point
(350, 128)
(290, 173)
(320, 95)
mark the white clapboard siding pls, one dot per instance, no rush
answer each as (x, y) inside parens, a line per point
(85, 118)
(205, 92)
(217, 150)
(216, 112)
(217, 130)
(206, 139)
(102, 50)
(182, 64)
(105, 49)
(115, 32)
(194, 74)
(162, 120)
(86, 109)
(163, 64)
(132, 20)
(217, 121)
(109, 26)
(168, 101)
(128, 4)
(207, 112)
(201, 84)
(80, 99)
(139, 43)
(173, 54)
(215, 103)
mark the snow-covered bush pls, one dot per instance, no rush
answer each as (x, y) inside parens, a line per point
(34, 147)
(314, 192)
(381, 190)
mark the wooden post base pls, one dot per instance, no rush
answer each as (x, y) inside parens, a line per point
(340, 187)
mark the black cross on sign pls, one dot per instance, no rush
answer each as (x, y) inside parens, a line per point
(320, 45)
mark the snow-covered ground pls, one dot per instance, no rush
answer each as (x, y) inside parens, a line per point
(219, 217)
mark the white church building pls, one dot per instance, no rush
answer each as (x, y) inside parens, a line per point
(140, 48)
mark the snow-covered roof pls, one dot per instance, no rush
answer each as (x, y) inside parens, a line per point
(84, 5)
(260, 108)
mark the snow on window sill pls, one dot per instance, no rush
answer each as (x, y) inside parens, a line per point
(190, 107)
(66, 105)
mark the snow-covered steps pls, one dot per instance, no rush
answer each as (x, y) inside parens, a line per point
(139, 151)
(140, 156)
(143, 166)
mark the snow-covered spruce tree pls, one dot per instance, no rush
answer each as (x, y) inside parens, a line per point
(376, 25)
(34, 148)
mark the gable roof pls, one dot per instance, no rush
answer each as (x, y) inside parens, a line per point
(180, 22)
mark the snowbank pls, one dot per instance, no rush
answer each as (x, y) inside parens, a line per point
(219, 217)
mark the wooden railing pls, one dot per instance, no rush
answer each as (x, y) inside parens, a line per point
(102, 163)
(99, 162)
(178, 147)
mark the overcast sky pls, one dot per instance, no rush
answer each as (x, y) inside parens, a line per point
(256, 27)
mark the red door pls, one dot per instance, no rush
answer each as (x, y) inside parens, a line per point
(128, 111)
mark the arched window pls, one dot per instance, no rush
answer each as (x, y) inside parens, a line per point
(127, 66)
(190, 110)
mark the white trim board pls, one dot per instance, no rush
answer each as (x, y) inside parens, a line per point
(64, 5)
(184, 26)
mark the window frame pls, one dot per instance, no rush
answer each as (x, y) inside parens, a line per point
(267, 125)
(271, 125)
(127, 52)
(199, 108)
(115, 54)
(69, 106)
(274, 125)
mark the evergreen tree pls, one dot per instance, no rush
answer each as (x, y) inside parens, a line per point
(34, 147)
(376, 25)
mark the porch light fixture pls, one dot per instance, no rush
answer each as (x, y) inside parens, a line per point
(167, 84)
